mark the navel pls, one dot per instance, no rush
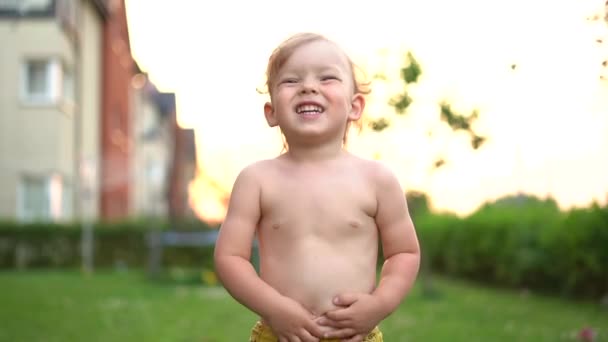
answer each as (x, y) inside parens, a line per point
(276, 225)
(354, 224)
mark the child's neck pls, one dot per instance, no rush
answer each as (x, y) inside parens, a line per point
(314, 153)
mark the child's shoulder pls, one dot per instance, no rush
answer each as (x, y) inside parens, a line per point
(373, 169)
(381, 178)
(258, 168)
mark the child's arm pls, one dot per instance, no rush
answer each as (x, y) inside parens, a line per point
(401, 250)
(232, 254)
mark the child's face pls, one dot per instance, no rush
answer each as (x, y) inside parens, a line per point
(313, 94)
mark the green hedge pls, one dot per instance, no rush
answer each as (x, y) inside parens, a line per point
(123, 244)
(516, 242)
(532, 245)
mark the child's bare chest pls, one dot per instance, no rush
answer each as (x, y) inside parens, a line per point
(318, 205)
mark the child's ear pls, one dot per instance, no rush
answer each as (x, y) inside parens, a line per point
(270, 115)
(357, 107)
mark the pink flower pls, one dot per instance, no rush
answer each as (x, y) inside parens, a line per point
(587, 334)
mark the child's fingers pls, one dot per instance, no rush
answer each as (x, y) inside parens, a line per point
(346, 299)
(308, 337)
(341, 333)
(325, 321)
(356, 338)
(315, 329)
(338, 315)
(328, 322)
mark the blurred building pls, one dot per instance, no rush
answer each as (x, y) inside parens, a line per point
(164, 160)
(50, 76)
(117, 116)
(154, 145)
(183, 170)
(77, 124)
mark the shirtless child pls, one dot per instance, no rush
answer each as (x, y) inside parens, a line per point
(318, 211)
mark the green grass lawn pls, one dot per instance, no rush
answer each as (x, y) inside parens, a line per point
(108, 306)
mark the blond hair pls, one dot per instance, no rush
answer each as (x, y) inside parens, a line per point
(281, 54)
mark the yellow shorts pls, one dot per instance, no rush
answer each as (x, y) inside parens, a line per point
(262, 333)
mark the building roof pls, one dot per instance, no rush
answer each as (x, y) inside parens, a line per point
(166, 103)
(189, 144)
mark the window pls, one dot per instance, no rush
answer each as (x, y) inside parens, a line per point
(35, 5)
(26, 7)
(42, 198)
(37, 78)
(40, 78)
(45, 81)
(34, 199)
(9, 4)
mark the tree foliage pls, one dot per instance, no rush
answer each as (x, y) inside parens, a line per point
(410, 75)
(601, 40)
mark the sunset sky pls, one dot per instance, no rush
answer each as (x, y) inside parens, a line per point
(547, 120)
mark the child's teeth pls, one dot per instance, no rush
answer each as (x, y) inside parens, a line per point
(309, 108)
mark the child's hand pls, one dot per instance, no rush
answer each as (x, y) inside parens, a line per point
(292, 322)
(359, 313)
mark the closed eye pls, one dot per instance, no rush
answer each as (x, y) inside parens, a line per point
(330, 78)
(289, 81)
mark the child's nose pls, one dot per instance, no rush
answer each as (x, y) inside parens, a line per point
(309, 86)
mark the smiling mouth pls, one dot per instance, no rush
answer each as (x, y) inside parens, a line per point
(309, 109)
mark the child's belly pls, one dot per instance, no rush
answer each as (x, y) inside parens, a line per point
(313, 273)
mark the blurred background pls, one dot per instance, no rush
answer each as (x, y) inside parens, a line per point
(123, 124)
